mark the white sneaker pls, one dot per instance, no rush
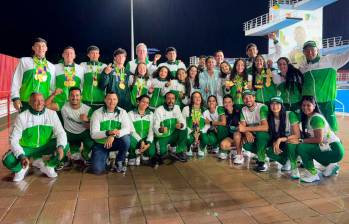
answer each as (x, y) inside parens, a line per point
(189, 153)
(331, 169)
(295, 173)
(201, 153)
(132, 162)
(49, 171)
(19, 176)
(145, 158)
(138, 160)
(222, 156)
(318, 165)
(307, 177)
(38, 163)
(172, 149)
(113, 154)
(261, 167)
(215, 150)
(239, 159)
(287, 166)
(248, 154)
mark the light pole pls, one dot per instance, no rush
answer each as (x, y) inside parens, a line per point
(132, 34)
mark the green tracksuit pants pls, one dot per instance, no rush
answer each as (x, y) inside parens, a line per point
(75, 141)
(178, 139)
(259, 145)
(290, 153)
(214, 138)
(135, 144)
(14, 164)
(308, 152)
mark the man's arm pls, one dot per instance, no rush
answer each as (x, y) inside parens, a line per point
(16, 135)
(49, 102)
(59, 131)
(339, 60)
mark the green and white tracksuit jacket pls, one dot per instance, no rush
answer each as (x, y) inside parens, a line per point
(176, 88)
(132, 65)
(173, 66)
(67, 76)
(166, 117)
(239, 85)
(35, 129)
(140, 87)
(264, 85)
(157, 97)
(291, 97)
(92, 94)
(320, 76)
(195, 122)
(103, 121)
(142, 130)
(32, 75)
(320, 81)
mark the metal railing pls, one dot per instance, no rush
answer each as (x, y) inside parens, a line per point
(331, 42)
(345, 42)
(343, 76)
(258, 21)
(193, 60)
(334, 42)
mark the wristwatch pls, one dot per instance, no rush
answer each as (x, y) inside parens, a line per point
(301, 140)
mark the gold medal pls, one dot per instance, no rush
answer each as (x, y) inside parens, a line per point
(95, 81)
(122, 85)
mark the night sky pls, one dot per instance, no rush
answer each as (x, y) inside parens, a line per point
(194, 27)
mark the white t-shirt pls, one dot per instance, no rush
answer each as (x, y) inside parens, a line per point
(71, 118)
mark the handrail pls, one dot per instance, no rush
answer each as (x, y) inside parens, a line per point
(331, 42)
(258, 21)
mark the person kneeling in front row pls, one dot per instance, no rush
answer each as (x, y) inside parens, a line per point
(110, 128)
(37, 132)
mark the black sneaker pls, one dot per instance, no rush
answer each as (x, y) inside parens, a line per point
(157, 160)
(182, 157)
(261, 167)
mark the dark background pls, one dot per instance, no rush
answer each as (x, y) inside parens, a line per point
(194, 27)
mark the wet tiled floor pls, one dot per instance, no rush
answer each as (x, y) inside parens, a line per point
(199, 192)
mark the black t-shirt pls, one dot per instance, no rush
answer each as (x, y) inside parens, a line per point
(232, 120)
